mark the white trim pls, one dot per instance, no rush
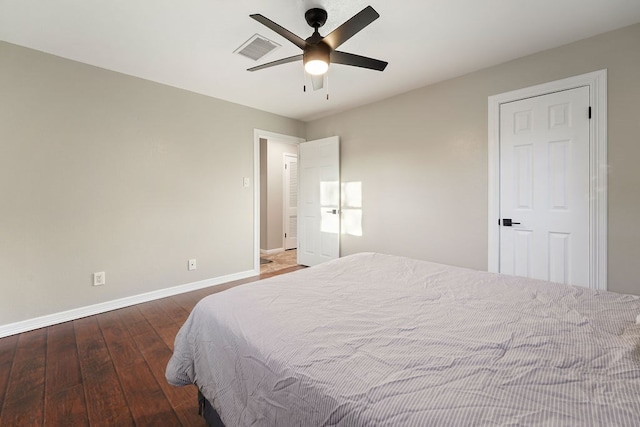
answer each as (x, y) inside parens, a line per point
(597, 83)
(257, 134)
(271, 251)
(90, 310)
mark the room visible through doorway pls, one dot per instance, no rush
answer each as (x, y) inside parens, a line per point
(276, 160)
(278, 261)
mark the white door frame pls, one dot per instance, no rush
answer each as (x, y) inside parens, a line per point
(257, 135)
(597, 83)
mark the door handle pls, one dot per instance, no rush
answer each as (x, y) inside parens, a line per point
(333, 211)
(507, 222)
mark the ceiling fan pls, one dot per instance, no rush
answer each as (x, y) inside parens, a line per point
(317, 51)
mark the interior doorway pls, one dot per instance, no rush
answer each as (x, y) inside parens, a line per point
(275, 186)
(596, 193)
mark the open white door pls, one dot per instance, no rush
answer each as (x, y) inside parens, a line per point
(319, 201)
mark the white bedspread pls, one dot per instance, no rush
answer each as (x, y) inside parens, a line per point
(372, 340)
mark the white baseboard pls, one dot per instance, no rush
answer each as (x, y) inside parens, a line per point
(271, 251)
(90, 310)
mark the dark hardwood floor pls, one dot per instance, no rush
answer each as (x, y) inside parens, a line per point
(103, 370)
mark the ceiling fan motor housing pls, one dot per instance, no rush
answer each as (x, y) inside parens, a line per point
(316, 17)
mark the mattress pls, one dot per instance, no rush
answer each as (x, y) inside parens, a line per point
(372, 339)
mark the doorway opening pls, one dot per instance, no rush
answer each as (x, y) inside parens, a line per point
(275, 208)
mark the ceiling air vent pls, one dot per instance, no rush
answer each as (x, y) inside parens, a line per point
(256, 47)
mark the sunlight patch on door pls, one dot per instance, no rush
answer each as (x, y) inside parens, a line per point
(329, 200)
(352, 208)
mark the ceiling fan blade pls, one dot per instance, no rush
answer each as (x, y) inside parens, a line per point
(278, 62)
(317, 81)
(357, 61)
(280, 30)
(351, 27)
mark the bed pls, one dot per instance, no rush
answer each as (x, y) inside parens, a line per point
(372, 340)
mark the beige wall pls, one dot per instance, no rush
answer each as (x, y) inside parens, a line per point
(422, 157)
(104, 172)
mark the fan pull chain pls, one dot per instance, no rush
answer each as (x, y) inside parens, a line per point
(304, 80)
(327, 86)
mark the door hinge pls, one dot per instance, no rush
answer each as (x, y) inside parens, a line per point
(589, 112)
(285, 235)
(285, 165)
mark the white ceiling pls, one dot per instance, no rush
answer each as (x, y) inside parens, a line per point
(189, 44)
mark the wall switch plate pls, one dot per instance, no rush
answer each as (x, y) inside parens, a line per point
(192, 264)
(99, 279)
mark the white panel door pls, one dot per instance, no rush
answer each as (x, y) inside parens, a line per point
(290, 201)
(544, 187)
(319, 201)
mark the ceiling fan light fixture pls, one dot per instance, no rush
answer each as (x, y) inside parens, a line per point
(316, 59)
(316, 67)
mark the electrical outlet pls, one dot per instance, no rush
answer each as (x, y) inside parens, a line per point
(246, 182)
(99, 279)
(192, 264)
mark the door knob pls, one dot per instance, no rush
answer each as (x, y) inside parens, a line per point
(507, 222)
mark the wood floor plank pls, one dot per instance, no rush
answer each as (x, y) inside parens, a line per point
(122, 347)
(168, 333)
(63, 366)
(64, 394)
(154, 314)
(67, 407)
(7, 351)
(92, 350)
(27, 379)
(24, 400)
(8, 348)
(147, 402)
(135, 321)
(27, 411)
(157, 355)
(27, 373)
(186, 300)
(173, 310)
(104, 397)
